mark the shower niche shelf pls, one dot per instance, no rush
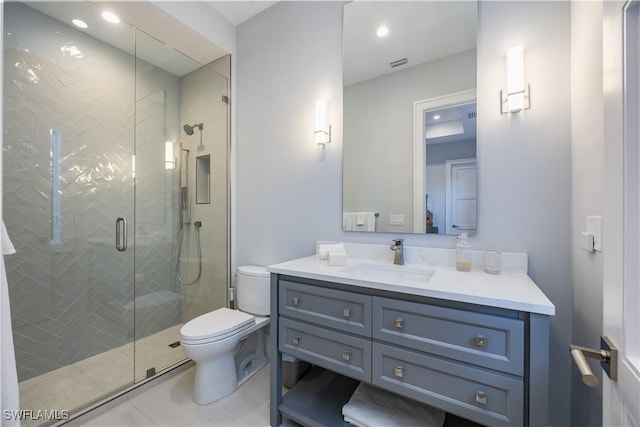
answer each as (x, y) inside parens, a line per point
(203, 179)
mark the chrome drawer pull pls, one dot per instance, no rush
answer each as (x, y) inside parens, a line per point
(296, 340)
(398, 371)
(399, 323)
(481, 398)
(481, 341)
(346, 355)
(296, 301)
(346, 312)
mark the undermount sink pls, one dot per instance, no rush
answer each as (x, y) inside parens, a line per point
(391, 272)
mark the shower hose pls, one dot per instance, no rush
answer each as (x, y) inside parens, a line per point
(197, 224)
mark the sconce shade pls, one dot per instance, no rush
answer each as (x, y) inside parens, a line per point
(169, 159)
(515, 97)
(322, 129)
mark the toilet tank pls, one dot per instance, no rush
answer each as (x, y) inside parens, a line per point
(253, 290)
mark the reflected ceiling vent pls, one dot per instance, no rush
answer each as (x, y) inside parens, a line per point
(398, 63)
(471, 115)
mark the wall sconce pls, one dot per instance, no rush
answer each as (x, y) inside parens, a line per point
(322, 130)
(515, 97)
(169, 159)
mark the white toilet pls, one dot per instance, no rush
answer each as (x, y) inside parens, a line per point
(227, 345)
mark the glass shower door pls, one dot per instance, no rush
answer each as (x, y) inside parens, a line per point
(69, 169)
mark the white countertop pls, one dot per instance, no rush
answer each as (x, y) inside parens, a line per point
(514, 291)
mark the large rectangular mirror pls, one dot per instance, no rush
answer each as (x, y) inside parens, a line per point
(409, 160)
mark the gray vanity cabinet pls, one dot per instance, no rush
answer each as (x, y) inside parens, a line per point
(485, 364)
(483, 396)
(344, 354)
(485, 340)
(344, 311)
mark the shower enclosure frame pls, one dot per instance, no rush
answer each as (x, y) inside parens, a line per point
(134, 235)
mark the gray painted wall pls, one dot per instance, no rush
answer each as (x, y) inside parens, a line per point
(289, 189)
(524, 162)
(587, 151)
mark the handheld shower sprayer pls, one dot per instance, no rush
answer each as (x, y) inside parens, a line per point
(197, 225)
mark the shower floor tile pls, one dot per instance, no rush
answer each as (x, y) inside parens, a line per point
(77, 384)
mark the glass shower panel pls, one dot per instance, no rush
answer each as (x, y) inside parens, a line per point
(158, 298)
(204, 100)
(68, 173)
(181, 250)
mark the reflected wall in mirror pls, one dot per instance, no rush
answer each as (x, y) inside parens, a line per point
(393, 167)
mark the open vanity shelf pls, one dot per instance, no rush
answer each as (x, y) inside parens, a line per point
(317, 399)
(485, 364)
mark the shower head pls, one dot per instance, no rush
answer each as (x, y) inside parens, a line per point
(188, 129)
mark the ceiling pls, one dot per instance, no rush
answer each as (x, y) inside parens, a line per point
(239, 11)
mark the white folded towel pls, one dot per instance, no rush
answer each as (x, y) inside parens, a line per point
(324, 249)
(359, 221)
(373, 407)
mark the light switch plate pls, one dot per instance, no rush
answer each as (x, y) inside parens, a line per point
(594, 226)
(586, 242)
(396, 219)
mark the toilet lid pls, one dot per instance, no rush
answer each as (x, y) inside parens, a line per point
(216, 325)
(253, 270)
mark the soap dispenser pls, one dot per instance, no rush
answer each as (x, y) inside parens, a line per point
(463, 253)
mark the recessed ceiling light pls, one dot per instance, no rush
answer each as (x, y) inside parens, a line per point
(436, 117)
(110, 17)
(79, 23)
(382, 31)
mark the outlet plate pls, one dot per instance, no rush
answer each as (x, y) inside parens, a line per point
(396, 219)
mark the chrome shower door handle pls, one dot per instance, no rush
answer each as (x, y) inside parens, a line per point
(121, 234)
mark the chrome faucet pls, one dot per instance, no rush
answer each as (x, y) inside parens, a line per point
(398, 256)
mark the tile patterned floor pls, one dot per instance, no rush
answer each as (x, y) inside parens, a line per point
(79, 383)
(169, 404)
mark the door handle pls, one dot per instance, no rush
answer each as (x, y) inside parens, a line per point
(454, 226)
(121, 234)
(607, 355)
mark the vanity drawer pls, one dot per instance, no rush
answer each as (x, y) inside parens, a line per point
(341, 353)
(480, 395)
(481, 339)
(345, 311)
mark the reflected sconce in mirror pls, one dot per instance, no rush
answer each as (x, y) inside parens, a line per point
(322, 131)
(515, 97)
(169, 158)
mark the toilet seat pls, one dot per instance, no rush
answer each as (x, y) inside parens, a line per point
(215, 326)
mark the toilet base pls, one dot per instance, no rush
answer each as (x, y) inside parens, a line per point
(220, 376)
(212, 380)
(255, 367)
